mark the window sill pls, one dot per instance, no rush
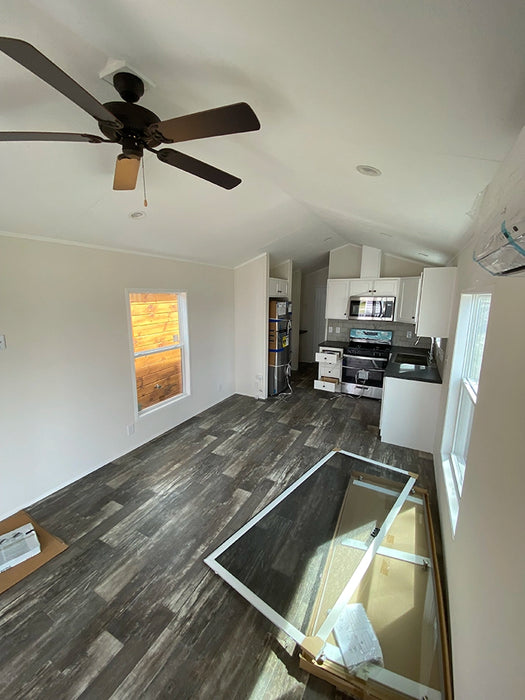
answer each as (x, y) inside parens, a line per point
(163, 404)
(452, 492)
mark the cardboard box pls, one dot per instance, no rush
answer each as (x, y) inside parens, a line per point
(278, 339)
(330, 380)
(50, 546)
(278, 308)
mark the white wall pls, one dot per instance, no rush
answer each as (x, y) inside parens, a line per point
(345, 262)
(251, 327)
(394, 266)
(66, 374)
(484, 560)
(296, 316)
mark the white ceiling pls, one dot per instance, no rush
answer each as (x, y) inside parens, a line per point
(432, 92)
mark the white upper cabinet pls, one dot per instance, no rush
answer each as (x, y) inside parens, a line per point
(384, 287)
(406, 303)
(278, 287)
(337, 294)
(435, 301)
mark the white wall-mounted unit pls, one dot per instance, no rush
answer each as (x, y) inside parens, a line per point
(500, 217)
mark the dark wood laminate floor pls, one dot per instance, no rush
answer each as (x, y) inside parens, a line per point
(130, 610)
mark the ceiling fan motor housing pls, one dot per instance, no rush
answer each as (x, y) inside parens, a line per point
(129, 86)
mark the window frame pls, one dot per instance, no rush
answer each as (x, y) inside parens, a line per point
(183, 344)
(462, 393)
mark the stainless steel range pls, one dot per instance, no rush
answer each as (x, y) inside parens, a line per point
(364, 362)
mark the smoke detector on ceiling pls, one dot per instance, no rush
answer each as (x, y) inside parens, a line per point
(368, 170)
(115, 65)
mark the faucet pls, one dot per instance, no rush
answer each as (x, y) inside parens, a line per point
(431, 351)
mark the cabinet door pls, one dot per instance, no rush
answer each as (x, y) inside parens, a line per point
(409, 413)
(435, 301)
(361, 287)
(388, 287)
(337, 294)
(282, 287)
(278, 287)
(407, 300)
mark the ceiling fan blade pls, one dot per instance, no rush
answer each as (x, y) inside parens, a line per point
(126, 172)
(230, 119)
(42, 67)
(49, 136)
(198, 168)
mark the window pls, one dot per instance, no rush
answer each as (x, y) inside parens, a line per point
(158, 329)
(463, 392)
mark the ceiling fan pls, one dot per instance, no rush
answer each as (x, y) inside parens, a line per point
(133, 127)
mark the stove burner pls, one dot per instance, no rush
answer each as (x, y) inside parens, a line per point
(368, 350)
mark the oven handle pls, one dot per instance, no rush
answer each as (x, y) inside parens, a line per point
(367, 357)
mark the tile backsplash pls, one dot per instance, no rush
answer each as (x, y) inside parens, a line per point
(400, 331)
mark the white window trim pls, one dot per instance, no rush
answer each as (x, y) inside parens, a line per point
(183, 343)
(453, 473)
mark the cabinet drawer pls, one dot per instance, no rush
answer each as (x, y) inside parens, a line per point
(330, 370)
(327, 386)
(328, 358)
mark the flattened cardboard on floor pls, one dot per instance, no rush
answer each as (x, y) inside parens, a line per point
(51, 546)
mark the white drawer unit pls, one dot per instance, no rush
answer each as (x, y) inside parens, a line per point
(330, 370)
(329, 357)
(334, 387)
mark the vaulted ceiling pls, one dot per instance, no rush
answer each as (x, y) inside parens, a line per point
(430, 92)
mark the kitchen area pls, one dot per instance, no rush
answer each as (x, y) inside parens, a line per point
(385, 340)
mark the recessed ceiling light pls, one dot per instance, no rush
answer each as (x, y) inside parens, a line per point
(368, 170)
(137, 215)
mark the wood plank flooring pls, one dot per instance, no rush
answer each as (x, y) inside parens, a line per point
(130, 610)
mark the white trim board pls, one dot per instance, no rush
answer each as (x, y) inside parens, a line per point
(347, 592)
(387, 552)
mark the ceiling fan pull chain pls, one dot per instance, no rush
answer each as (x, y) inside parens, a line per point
(144, 184)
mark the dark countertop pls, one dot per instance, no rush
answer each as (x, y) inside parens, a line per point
(394, 369)
(341, 344)
(419, 374)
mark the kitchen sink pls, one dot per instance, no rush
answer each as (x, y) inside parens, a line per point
(406, 358)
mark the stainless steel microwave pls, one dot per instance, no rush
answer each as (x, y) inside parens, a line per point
(371, 308)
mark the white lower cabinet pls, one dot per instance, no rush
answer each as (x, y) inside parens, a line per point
(330, 369)
(409, 413)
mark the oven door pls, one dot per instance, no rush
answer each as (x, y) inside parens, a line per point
(363, 370)
(364, 308)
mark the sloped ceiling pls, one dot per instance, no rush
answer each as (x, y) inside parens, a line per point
(430, 92)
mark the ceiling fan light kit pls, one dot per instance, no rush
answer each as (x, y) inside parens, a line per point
(133, 127)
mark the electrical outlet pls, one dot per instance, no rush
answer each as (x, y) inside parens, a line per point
(330, 329)
(409, 334)
(337, 329)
